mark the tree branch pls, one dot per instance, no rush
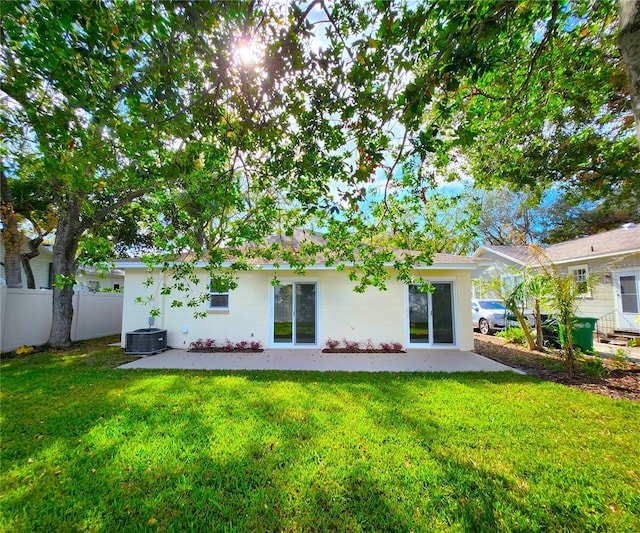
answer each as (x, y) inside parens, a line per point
(548, 37)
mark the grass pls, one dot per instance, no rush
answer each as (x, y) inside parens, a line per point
(86, 447)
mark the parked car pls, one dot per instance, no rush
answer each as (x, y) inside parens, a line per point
(489, 316)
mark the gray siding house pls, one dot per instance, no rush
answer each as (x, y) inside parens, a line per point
(613, 256)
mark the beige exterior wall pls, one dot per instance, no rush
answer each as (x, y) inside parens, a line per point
(377, 315)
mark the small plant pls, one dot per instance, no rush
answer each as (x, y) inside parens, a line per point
(552, 365)
(391, 347)
(369, 346)
(242, 345)
(210, 343)
(256, 346)
(594, 367)
(24, 350)
(332, 344)
(197, 345)
(514, 336)
(620, 359)
(351, 346)
(228, 345)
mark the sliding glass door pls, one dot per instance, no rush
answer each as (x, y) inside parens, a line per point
(430, 315)
(294, 313)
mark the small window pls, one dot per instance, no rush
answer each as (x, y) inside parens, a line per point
(510, 281)
(580, 275)
(218, 301)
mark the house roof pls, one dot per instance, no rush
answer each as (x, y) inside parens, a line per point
(621, 241)
(302, 237)
(519, 254)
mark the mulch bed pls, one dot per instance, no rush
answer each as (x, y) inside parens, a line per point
(615, 383)
(348, 350)
(223, 350)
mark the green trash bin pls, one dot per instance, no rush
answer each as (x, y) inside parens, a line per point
(581, 333)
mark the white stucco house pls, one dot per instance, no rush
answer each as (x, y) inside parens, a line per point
(305, 311)
(613, 256)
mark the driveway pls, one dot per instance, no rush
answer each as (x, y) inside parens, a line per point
(283, 359)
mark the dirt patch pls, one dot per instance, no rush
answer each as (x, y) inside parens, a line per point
(614, 382)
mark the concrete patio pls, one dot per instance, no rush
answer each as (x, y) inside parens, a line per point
(303, 359)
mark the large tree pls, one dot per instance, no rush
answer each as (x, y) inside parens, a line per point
(107, 104)
(11, 235)
(629, 43)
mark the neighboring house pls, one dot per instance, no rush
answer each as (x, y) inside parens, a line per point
(613, 256)
(87, 279)
(41, 265)
(305, 311)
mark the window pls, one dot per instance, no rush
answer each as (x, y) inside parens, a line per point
(580, 275)
(510, 281)
(218, 301)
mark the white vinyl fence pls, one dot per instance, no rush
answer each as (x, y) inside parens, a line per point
(26, 314)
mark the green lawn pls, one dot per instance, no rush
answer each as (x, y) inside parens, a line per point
(89, 448)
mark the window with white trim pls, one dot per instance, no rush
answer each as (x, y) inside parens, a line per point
(218, 301)
(510, 281)
(580, 274)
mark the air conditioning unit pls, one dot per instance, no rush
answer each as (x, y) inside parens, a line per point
(146, 341)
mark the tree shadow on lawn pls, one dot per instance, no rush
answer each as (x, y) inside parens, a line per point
(166, 448)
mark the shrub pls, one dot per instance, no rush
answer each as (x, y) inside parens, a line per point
(397, 346)
(594, 367)
(514, 336)
(210, 343)
(620, 359)
(228, 345)
(351, 346)
(242, 345)
(197, 345)
(369, 346)
(256, 345)
(332, 344)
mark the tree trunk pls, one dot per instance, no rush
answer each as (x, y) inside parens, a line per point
(539, 337)
(629, 44)
(524, 325)
(11, 236)
(64, 270)
(26, 260)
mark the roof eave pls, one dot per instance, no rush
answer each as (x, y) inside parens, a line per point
(267, 267)
(478, 253)
(598, 256)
